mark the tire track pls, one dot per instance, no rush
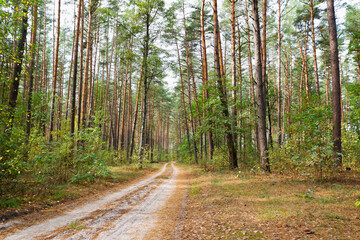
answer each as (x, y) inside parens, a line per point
(108, 209)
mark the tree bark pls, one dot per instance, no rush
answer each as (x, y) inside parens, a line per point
(74, 80)
(251, 75)
(143, 142)
(183, 97)
(189, 91)
(335, 74)
(17, 67)
(222, 93)
(279, 137)
(316, 74)
(55, 70)
(31, 70)
(261, 106)
(205, 76)
(92, 6)
(233, 69)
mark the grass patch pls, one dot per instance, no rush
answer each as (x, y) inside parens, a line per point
(162, 177)
(194, 190)
(216, 180)
(11, 203)
(75, 225)
(335, 216)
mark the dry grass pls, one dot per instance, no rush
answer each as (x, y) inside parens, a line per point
(232, 205)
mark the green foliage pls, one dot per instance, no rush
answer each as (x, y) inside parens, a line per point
(83, 158)
(308, 147)
(357, 203)
(350, 148)
(75, 225)
(354, 105)
(11, 203)
(307, 195)
(352, 29)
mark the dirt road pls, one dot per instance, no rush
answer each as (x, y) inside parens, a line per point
(131, 213)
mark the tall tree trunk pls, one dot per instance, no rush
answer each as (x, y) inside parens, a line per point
(74, 80)
(279, 137)
(233, 69)
(129, 121)
(251, 75)
(222, 93)
(92, 6)
(107, 88)
(240, 92)
(317, 84)
(81, 70)
(55, 70)
(183, 97)
(93, 77)
(143, 142)
(189, 90)
(335, 73)
(17, 67)
(128, 76)
(261, 102)
(132, 142)
(205, 76)
(44, 75)
(31, 70)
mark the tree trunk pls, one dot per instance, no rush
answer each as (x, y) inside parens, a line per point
(55, 70)
(81, 70)
(183, 97)
(222, 93)
(15, 80)
(240, 93)
(31, 70)
(128, 72)
(335, 73)
(76, 51)
(205, 76)
(146, 84)
(317, 84)
(261, 104)
(92, 6)
(189, 91)
(233, 69)
(279, 79)
(251, 75)
(132, 143)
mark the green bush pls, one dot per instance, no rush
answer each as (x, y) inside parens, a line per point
(308, 145)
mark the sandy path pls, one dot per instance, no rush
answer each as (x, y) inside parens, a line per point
(127, 214)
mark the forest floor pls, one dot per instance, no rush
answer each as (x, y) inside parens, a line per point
(236, 205)
(187, 202)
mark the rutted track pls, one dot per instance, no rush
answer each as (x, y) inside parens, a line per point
(126, 214)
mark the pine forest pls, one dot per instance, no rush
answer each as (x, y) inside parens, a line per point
(95, 90)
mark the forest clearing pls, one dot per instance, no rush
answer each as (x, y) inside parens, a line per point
(176, 119)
